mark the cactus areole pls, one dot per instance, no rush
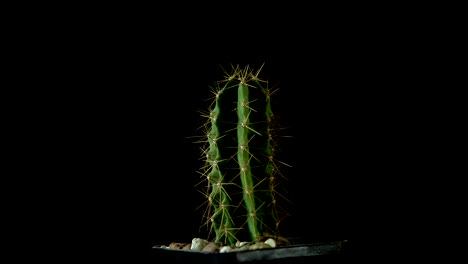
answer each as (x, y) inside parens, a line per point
(240, 169)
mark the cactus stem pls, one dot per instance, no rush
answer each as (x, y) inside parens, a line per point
(252, 149)
(243, 147)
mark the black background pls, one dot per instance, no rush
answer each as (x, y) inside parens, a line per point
(340, 103)
(125, 104)
(343, 102)
(103, 98)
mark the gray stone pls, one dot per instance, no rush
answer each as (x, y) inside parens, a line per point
(198, 244)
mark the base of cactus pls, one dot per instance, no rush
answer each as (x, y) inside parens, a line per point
(294, 253)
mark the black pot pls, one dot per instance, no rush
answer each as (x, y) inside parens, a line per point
(330, 252)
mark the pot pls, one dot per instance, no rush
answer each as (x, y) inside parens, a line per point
(294, 253)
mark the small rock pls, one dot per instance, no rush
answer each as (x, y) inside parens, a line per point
(259, 245)
(241, 244)
(188, 246)
(225, 249)
(198, 244)
(211, 247)
(244, 247)
(175, 245)
(271, 242)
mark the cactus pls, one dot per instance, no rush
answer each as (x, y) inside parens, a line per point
(240, 167)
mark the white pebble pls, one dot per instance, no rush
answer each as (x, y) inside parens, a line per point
(241, 244)
(225, 249)
(198, 244)
(271, 242)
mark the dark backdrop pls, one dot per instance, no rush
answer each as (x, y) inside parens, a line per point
(109, 101)
(338, 103)
(342, 97)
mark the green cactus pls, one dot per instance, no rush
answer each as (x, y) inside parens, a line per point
(240, 168)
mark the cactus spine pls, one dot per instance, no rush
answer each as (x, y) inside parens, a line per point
(240, 165)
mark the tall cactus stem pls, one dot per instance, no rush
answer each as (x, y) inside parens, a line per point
(241, 145)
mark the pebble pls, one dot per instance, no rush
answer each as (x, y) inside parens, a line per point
(271, 242)
(175, 245)
(259, 245)
(188, 246)
(211, 247)
(241, 244)
(225, 249)
(199, 243)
